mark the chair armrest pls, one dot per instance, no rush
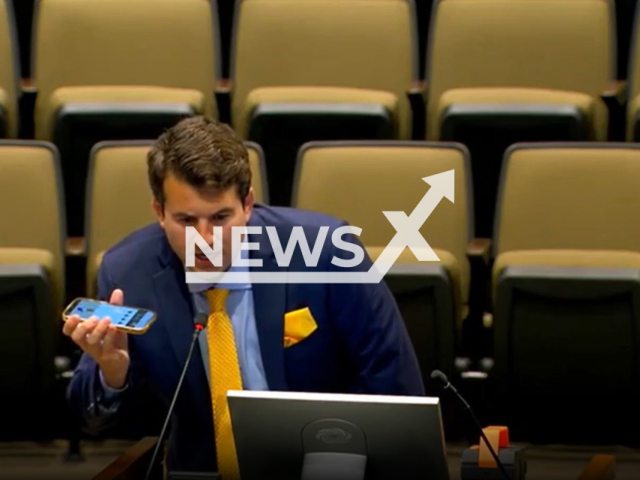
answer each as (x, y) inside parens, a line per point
(601, 467)
(75, 247)
(28, 85)
(615, 91)
(615, 98)
(26, 106)
(417, 95)
(419, 87)
(479, 256)
(479, 249)
(132, 464)
(224, 87)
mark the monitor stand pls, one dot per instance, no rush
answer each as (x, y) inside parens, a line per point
(334, 466)
(334, 449)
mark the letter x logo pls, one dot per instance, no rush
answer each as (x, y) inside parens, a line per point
(408, 227)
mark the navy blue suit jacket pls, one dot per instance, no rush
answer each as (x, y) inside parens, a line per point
(360, 346)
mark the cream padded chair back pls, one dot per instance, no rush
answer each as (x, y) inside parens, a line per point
(582, 196)
(361, 44)
(31, 208)
(552, 45)
(358, 181)
(167, 49)
(118, 198)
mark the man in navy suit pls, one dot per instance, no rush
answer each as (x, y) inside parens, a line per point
(346, 338)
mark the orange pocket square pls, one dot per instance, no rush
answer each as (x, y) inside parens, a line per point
(298, 325)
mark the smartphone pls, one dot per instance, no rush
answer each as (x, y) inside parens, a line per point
(129, 319)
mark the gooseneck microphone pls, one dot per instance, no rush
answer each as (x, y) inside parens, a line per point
(441, 378)
(200, 323)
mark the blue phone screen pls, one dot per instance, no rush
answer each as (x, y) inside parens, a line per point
(120, 316)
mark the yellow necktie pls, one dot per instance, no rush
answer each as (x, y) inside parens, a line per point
(225, 375)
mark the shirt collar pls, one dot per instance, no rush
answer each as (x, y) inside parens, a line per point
(244, 285)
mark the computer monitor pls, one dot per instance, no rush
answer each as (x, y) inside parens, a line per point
(313, 436)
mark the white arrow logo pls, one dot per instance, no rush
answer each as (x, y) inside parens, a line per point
(407, 235)
(408, 227)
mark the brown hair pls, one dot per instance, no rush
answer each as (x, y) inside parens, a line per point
(205, 153)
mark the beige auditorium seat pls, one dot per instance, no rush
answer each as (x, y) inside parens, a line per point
(32, 273)
(320, 70)
(548, 52)
(566, 280)
(121, 166)
(119, 70)
(357, 182)
(9, 72)
(115, 167)
(501, 72)
(32, 227)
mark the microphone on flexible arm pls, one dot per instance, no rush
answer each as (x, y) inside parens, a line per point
(200, 323)
(441, 378)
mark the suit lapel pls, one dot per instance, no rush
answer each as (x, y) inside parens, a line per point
(269, 301)
(173, 297)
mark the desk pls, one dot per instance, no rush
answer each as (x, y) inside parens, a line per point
(561, 462)
(544, 463)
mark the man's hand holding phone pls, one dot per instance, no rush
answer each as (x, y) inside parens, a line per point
(105, 343)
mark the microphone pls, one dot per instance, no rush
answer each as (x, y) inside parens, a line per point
(442, 379)
(200, 323)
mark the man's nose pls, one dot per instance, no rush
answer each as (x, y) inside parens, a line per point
(205, 230)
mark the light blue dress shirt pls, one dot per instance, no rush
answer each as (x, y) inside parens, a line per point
(241, 311)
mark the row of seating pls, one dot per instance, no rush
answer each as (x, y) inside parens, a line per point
(346, 44)
(24, 12)
(497, 73)
(565, 282)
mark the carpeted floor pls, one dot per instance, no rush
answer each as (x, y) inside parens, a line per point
(30, 461)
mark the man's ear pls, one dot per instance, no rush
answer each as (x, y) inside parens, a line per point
(158, 208)
(249, 201)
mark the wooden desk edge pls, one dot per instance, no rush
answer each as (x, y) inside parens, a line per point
(135, 458)
(601, 467)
